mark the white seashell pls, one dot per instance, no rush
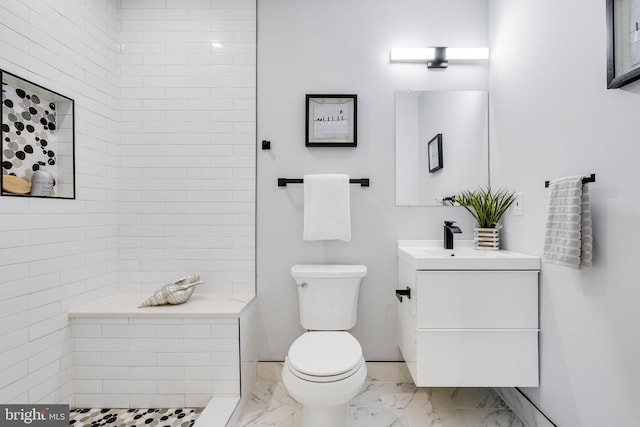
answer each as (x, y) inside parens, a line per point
(174, 293)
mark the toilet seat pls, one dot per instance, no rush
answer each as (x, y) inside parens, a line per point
(324, 356)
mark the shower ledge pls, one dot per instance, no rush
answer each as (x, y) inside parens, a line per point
(216, 306)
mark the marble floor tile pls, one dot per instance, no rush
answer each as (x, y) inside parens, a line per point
(384, 404)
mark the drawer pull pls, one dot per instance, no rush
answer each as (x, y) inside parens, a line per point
(403, 293)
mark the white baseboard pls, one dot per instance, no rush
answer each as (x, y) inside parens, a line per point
(528, 413)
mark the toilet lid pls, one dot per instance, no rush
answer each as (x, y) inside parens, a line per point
(325, 353)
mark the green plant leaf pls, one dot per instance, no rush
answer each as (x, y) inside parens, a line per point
(485, 206)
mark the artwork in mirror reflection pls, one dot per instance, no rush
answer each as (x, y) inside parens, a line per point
(462, 117)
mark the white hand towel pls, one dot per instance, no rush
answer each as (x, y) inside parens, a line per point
(586, 254)
(327, 211)
(568, 233)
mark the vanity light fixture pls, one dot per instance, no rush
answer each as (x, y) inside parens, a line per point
(438, 57)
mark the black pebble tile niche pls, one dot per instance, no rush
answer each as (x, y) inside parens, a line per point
(37, 135)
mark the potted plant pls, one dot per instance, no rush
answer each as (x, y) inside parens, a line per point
(487, 208)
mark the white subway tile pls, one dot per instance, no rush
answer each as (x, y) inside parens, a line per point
(100, 344)
(128, 331)
(188, 25)
(12, 306)
(157, 345)
(164, 104)
(102, 400)
(158, 373)
(184, 331)
(14, 373)
(189, 4)
(99, 321)
(143, 4)
(85, 330)
(88, 358)
(129, 359)
(224, 331)
(213, 344)
(166, 14)
(158, 401)
(81, 386)
(82, 372)
(185, 359)
(184, 387)
(225, 359)
(11, 239)
(129, 387)
(47, 386)
(155, 321)
(29, 317)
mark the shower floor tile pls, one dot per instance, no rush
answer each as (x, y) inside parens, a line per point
(382, 404)
(165, 417)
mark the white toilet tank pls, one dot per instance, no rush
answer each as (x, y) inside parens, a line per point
(328, 295)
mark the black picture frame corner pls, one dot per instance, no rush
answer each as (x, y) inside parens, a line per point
(434, 153)
(327, 125)
(618, 43)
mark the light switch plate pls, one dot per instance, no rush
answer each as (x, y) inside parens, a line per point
(516, 208)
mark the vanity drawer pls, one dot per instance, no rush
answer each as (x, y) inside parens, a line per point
(477, 358)
(477, 299)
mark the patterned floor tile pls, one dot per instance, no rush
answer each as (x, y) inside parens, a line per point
(165, 417)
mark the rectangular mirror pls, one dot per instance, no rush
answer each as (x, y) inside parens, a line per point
(37, 140)
(459, 122)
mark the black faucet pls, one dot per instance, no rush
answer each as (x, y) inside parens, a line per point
(449, 229)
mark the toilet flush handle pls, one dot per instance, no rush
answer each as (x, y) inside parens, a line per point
(303, 285)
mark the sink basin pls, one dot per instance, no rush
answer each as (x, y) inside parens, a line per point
(430, 255)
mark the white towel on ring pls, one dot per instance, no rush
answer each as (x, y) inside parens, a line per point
(568, 233)
(327, 209)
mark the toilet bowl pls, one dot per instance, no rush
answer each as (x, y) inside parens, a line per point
(324, 368)
(323, 371)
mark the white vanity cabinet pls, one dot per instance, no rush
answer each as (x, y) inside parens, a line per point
(469, 328)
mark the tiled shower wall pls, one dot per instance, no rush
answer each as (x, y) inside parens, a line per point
(154, 362)
(165, 161)
(188, 143)
(59, 254)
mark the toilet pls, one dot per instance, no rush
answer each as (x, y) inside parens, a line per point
(324, 368)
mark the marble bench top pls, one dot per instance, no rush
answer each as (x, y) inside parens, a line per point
(216, 306)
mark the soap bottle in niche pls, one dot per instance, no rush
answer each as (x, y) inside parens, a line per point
(42, 183)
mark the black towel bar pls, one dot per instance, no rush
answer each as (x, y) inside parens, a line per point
(591, 178)
(282, 182)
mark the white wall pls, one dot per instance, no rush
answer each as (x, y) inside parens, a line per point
(553, 116)
(58, 254)
(343, 47)
(187, 189)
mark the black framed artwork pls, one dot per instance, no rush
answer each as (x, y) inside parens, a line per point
(434, 153)
(623, 44)
(331, 121)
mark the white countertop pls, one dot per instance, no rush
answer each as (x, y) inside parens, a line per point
(430, 255)
(199, 305)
